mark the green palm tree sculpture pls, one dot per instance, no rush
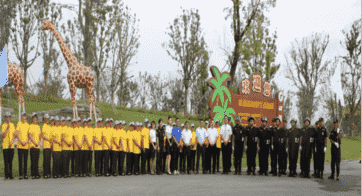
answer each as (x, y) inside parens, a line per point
(222, 111)
(217, 85)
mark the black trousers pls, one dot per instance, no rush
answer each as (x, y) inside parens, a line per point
(72, 162)
(320, 155)
(218, 158)
(212, 155)
(8, 159)
(226, 156)
(34, 161)
(208, 155)
(129, 163)
(187, 157)
(159, 160)
(106, 158)
(182, 156)
(293, 151)
(200, 150)
(121, 157)
(57, 163)
(78, 162)
(164, 158)
(336, 159)
(172, 147)
(136, 158)
(193, 157)
(47, 154)
(67, 157)
(23, 161)
(250, 156)
(315, 160)
(274, 157)
(264, 158)
(84, 161)
(98, 159)
(281, 157)
(144, 155)
(301, 158)
(175, 157)
(114, 158)
(238, 155)
(90, 161)
(306, 159)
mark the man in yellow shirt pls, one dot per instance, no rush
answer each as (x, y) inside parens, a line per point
(47, 137)
(22, 134)
(218, 145)
(90, 151)
(67, 145)
(78, 142)
(98, 151)
(130, 144)
(193, 147)
(8, 130)
(107, 146)
(137, 148)
(123, 148)
(57, 149)
(145, 146)
(35, 141)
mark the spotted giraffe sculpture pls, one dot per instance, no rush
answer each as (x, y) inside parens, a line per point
(79, 76)
(16, 79)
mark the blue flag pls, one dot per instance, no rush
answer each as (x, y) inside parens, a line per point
(3, 68)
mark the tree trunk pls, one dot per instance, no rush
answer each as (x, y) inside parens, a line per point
(186, 91)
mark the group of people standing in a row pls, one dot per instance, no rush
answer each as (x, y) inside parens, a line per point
(72, 146)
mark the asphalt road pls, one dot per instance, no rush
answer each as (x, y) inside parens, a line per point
(202, 184)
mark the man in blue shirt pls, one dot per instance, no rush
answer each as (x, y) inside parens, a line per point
(201, 146)
(176, 135)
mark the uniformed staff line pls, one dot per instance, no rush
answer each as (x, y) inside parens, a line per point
(68, 145)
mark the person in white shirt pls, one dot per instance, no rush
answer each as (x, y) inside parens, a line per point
(201, 146)
(225, 133)
(212, 135)
(186, 137)
(153, 145)
(168, 145)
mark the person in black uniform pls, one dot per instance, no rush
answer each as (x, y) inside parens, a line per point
(301, 156)
(308, 145)
(274, 148)
(252, 139)
(320, 147)
(281, 147)
(238, 144)
(285, 155)
(293, 147)
(335, 139)
(264, 144)
(160, 144)
(315, 154)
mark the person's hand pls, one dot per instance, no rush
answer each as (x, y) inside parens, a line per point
(109, 148)
(337, 145)
(90, 147)
(233, 148)
(300, 148)
(286, 150)
(143, 149)
(315, 149)
(325, 149)
(158, 148)
(272, 147)
(246, 147)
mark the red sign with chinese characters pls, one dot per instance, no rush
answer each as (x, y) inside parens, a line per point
(252, 99)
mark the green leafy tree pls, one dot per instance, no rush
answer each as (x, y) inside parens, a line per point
(219, 89)
(222, 111)
(7, 14)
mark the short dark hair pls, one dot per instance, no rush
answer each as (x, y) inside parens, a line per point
(169, 117)
(186, 122)
(153, 122)
(159, 120)
(177, 119)
(226, 116)
(201, 120)
(211, 119)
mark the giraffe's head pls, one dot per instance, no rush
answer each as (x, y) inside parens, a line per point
(46, 25)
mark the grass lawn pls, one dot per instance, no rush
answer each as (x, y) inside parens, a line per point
(351, 149)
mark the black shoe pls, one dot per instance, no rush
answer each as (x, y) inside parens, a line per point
(123, 174)
(6, 177)
(96, 175)
(307, 176)
(128, 174)
(11, 178)
(213, 172)
(84, 175)
(239, 173)
(260, 173)
(90, 175)
(253, 173)
(20, 177)
(290, 174)
(274, 174)
(26, 177)
(331, 177)
(197, 172)
(76, 175)
(235, 173)
(248, 173)
(55, 177)
(337, 178)
(114, 174)
(266, 174)
(217, 171)
(107, 175)
(33, 177)
(321, 176)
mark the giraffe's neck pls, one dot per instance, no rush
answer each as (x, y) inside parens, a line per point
(69, 57)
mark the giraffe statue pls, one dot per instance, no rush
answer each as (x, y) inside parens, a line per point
(79, 76)
(15, 78)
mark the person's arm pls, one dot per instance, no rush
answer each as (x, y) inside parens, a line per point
(168, 139)
(115, 143)
(6, 131)
(121, 143)
(135, 142)
(157, 140)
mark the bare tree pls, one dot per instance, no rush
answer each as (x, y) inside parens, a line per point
(8, 14)
(143, 89)
(186, 49)
(157, 86)
(351, 71)
(310, 72)
(239, 28)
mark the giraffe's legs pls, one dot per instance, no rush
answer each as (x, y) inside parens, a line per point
(18, 88)
(92, 102)
(74, 103)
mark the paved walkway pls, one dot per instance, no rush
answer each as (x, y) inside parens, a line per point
(202, 184)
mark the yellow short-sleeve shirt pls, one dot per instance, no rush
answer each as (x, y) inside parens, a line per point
(57, 134)
(218, 141)
(98, 134)
(68, 136)
(23, 129)
(137, 137)
(116, 134)
(35, 131)
(123, 135)
(146, 137)
(130, 140)
(89, 136)
(193, 140)
(108, 134)
(85, 145)
(78, 135)
(47, 132)
(9, 136)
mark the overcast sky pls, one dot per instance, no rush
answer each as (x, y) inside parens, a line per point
(291, 19)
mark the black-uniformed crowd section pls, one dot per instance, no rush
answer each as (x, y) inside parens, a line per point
(275, 141)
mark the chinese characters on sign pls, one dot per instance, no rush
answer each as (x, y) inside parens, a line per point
(245, 85)
(257, 83)
(267, 89)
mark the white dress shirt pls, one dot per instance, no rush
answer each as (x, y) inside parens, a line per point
(153, 135)
(169, 131)
(212, 134)
(200, 134)
(225, 131)
(186, 135)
